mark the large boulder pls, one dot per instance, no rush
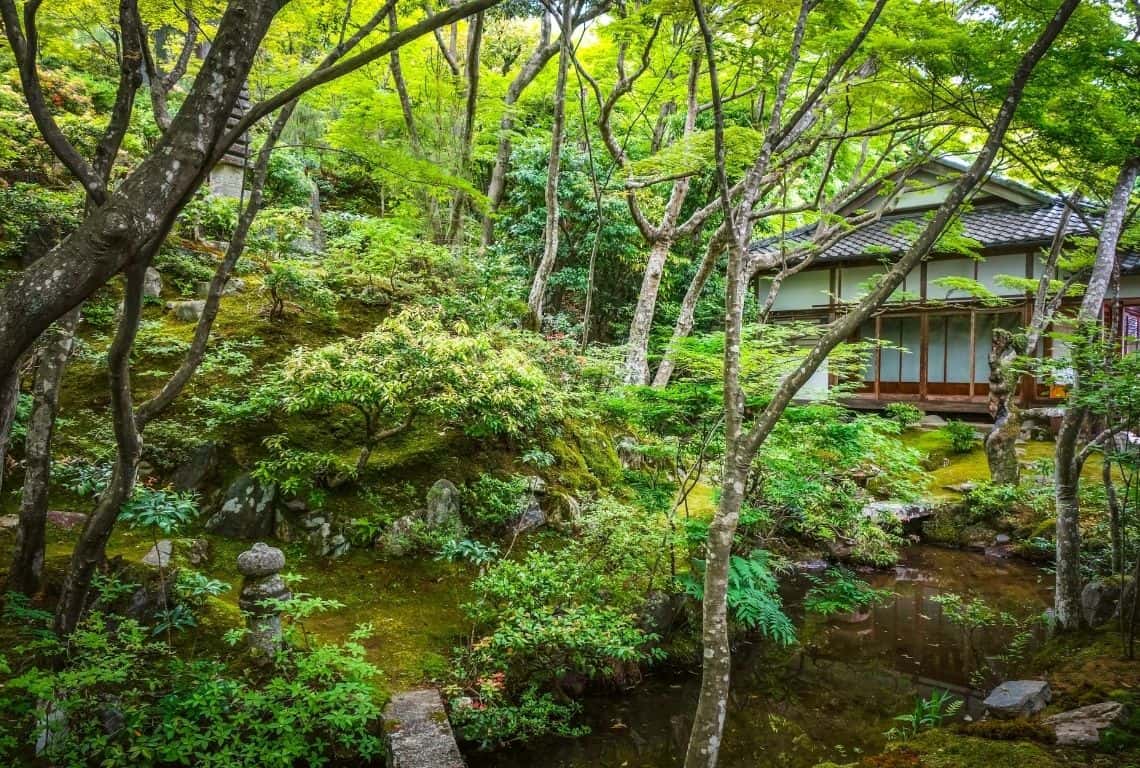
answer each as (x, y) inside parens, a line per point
(246, 511)
(194, 473)
(1018, 698)
(1099, 600)
(1083, 726)
(442, 505)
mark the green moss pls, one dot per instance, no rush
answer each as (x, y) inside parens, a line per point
(944, 749)
(585, 457)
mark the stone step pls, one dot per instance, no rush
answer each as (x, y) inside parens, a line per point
(419, 734)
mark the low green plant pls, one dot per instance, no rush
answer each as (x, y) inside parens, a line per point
(490, 721)
(988, 500)
(905, 414)
(962, 436)
(469, 550)
(927, 713)
(753, 595)
(493, 502)
(838, 591)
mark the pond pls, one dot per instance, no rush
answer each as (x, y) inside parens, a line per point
(830, 698)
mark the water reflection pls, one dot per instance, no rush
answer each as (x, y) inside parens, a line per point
(830, 698)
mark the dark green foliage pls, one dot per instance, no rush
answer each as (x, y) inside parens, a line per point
(963, 437)
(840, 592)
(753, 596)
(33, 219)
(905, 414)
(492, 502)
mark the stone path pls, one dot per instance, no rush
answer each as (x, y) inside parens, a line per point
(419, 733)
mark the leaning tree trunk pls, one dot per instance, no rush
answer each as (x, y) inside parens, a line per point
(637, 352)
(686, 316)
(28, 556)
(9, 398)
(91, 548)
(1067, 477)
(537, 298)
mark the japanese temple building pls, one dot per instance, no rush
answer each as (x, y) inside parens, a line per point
(937, 339)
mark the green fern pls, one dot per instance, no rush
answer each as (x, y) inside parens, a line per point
(753, 596)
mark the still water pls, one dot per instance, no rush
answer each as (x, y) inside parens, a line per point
(830, 698)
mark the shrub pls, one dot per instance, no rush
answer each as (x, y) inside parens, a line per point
(905, 414)
(988, 500)
(962, 436)
(493, 502)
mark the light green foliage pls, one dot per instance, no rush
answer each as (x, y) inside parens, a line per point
(963, 437)
(295, 284)
(375, 260)
(469, 550)
(928, 713)
(299, 472)
(988, 500)
(753, 596)
(411, 366)
(840, 592)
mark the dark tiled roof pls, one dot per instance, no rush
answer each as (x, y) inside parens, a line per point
(994, 226)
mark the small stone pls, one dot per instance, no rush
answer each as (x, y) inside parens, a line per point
(232, 286)
(159, 554)
(397, 540)
(338, 546)
(965, 487)
(532, 517)
(1083, 726)
(152, 283)
(186, 311)
(313, 522)
(260, 560)
(297, 506)
(1018, 698)
(812, 565)
(9, 522)
(442, 504)
(1002, 538)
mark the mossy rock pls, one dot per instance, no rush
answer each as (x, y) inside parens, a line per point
(944, 749)
(947, 525)
(585, 457)
(1010, 730)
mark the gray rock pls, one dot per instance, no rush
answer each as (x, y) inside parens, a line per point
(193, 474)
(159, 554)
(397, 540)
(232, 286)
(629, 453)
(297, 506)
(965, 487)
(1099, 600)
(419, 734)
(932, 420)
(1018, 698)
(313, 522)
(9, 522)
(442, 504)
(903, 511)
(260, 560)
(152, 283)
(535, 485)
(196, 551)
(66, 520)
(338, 546)
(532, 516)
(812, 565)
(1001, 538)
(186, 311)
(246, 511)
(1083, 726)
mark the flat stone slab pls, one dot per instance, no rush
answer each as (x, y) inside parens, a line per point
(903, 511)
(1083, 726)
(419, 733)
(1018, 698)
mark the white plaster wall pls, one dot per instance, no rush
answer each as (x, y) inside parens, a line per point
(803, 290)
(853, 278)
(1004, 264)
(947, 268)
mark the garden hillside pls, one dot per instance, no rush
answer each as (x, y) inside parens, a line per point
(505, 383)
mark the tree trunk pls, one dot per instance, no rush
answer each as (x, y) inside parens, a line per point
(9, 398)
(498, 182)
(1115, 518)
(704, 742)
(637, 352)
(1001, 442)
(684, 325)
(1067, 597)
(147, 201)
(474, 43)
(537, 297)
(91, 548)
(28, 556)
